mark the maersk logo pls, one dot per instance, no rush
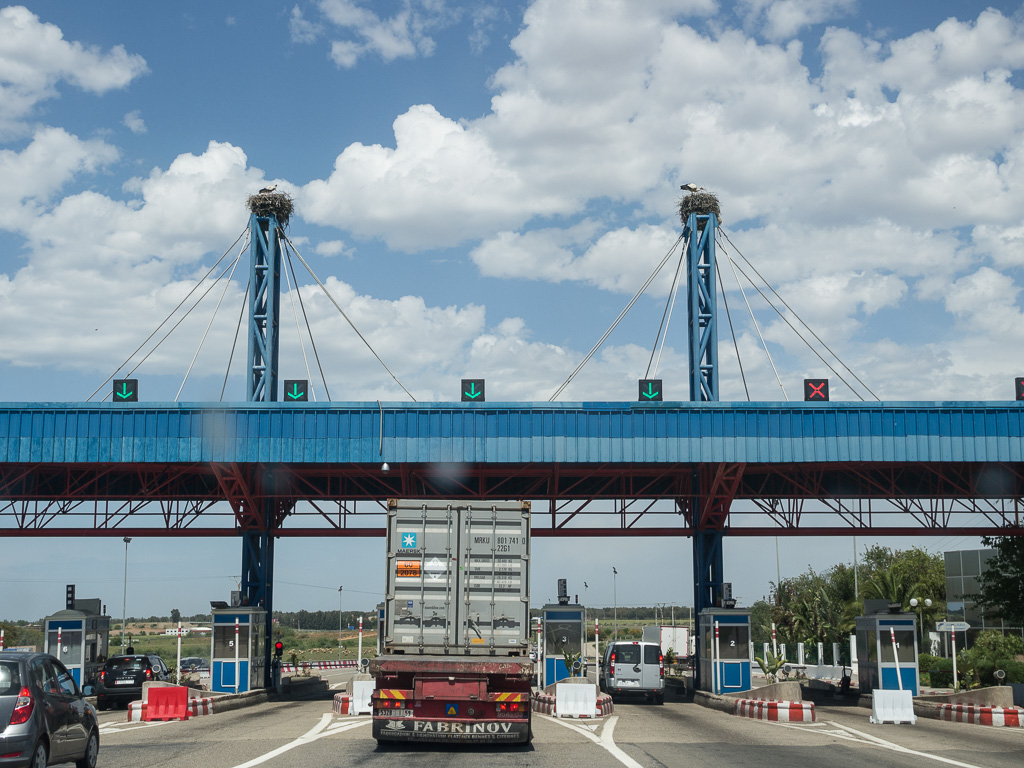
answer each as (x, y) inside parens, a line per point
(408, 541)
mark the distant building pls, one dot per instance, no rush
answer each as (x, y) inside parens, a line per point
(963, 585)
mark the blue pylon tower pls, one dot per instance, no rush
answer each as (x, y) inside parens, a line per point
(257, 585)
(699, 234)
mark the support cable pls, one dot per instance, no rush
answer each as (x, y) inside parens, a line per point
(804, 324)
(349, 321)
(666, 318)
(155, 330)
(238, 331)
(227, 284)
(622, 314)
(750, 311)
(799, 335)
(732, 331)
(309, 327)
(298, 329)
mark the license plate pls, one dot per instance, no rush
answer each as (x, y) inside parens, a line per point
(627, 683)
(124, 682)
(394, 713)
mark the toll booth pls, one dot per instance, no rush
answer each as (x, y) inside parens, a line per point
(236, 653)
(725, 663)
(878, 660)
(563, 635)
(79, 637)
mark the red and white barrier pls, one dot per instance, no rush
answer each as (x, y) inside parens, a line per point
(979, 715)
(342, 704)
(202, 706)
(605, 706)
(776, 711)
(544, 703)
(319, 665)
(136, 711)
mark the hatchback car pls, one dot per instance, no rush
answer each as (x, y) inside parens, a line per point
(44, 718)
(121, 678)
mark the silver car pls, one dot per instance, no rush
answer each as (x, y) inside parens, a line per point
(44, 718)
(632, 668)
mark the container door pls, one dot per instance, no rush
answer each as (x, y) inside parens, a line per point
(493, 578)
(421, 590)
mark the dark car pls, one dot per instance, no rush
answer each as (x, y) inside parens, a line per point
(121, 678)
(44, 718)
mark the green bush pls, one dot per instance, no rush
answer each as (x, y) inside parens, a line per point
(940, 673)
(925, 662)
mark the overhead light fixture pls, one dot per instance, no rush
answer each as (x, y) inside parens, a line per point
(385, 468)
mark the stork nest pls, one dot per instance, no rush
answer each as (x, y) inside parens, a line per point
(276, 204)
(701, 203)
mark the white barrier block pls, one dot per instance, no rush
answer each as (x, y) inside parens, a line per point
(572, 700)
(892, 707)
(361, 692)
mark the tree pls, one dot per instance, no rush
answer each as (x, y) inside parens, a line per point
(175, 615)
(1002, 583)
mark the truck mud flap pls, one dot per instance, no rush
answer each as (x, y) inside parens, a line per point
(490, 732)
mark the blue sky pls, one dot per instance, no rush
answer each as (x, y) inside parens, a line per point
(483, 187)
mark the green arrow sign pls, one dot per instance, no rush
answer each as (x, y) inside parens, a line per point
(473, 390)
(650, 389)
(296, 390)
(126, 390)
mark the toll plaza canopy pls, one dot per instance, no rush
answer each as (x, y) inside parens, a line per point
(932, 461)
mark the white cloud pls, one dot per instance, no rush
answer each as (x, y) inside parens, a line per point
(301, 29)
(333, 248)
(404, 35)
(35, 57)
(133, 122)
(783, 19)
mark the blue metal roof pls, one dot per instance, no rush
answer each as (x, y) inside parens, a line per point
(511, 432)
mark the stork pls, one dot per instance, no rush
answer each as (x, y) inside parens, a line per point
(691, 188)
(268, 190)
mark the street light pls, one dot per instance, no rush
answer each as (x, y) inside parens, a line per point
(124, 596)
(339, 623)
(615, 602)
(915, 602)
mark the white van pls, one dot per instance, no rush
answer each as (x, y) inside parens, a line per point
(633, 668)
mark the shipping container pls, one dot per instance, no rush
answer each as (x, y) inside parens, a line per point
(457, 578)
(455, 665)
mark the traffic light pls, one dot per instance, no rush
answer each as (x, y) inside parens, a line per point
(278, 649)
(816, 389)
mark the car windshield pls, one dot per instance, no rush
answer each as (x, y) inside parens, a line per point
(126, 662)
(10, 680)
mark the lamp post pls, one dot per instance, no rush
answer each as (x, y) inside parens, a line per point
(124, 596)
(615, 602)
(915, 602)
(339, 623)
(583, 643)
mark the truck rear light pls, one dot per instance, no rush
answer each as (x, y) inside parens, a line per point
(23, 707)
(509, 706)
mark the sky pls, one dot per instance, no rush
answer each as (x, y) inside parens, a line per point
(483, 187)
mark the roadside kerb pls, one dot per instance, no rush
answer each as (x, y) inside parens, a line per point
(207, 705)
(979, 715)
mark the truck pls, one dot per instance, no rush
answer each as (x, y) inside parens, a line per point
(455, 660)
(670, 637)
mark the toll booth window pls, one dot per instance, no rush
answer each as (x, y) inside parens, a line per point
(224, 641)
(562, 636)
(70, 647)
(904, 643)
(734, 642)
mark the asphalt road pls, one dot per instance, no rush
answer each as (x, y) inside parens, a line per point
(307, 733)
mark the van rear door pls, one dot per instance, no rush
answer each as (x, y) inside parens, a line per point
(628, 671)
(652, 679)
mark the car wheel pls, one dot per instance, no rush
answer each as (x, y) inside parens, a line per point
(659, 698)
(102, 705)
(92, 751)
(38, 756)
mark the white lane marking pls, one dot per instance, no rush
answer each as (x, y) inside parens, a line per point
(897, 748)
(118, 727)
(309, 736)
(606, 739)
